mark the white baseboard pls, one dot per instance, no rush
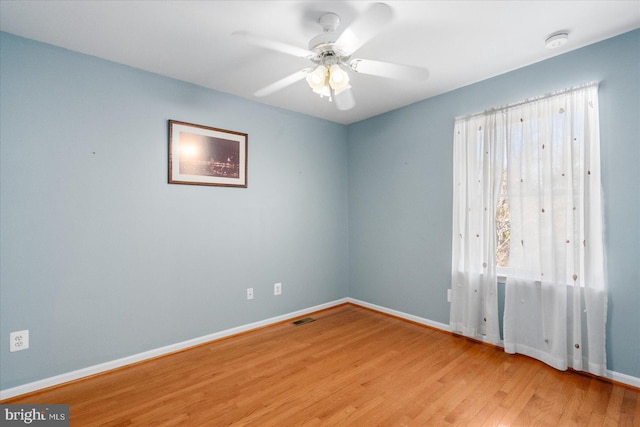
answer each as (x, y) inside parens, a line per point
(410, 317)
(623, 378)
(107, 366)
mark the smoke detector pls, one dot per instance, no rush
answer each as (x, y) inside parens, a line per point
(556, 40)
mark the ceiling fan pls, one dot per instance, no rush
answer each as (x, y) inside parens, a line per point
(331, 52)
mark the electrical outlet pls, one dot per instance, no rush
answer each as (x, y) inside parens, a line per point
(19, 340)
(249, 293)
(448, 295)
(277, 288)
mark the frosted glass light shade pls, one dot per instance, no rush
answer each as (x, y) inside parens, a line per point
(317, 78)
(338, 78)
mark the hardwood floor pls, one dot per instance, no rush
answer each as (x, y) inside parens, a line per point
(351, 367)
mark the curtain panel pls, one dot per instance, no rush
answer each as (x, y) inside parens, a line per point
(479, 150)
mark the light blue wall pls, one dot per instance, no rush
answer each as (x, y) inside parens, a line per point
(101, 258)
(400, 188)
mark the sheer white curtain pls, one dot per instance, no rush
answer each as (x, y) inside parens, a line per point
(556, 292)
(479, 150)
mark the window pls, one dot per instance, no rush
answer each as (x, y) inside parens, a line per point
(503, 226)
(542, 177)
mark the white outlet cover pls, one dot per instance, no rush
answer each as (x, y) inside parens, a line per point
(19, 340)
(277, 288)
(249, 293)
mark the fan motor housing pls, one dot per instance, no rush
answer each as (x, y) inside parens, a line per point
(323, 44)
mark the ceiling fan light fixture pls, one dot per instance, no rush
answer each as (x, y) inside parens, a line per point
(331, 53)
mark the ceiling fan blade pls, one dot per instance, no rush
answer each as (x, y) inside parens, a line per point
(363, 29)
(344, 100)
(254, 40)
(389, 70)
(282, 83)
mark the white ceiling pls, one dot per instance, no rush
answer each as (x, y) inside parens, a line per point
(459, 42)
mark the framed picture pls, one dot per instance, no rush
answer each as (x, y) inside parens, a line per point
(201, 155)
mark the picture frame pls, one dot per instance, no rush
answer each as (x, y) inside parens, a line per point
(203, 155)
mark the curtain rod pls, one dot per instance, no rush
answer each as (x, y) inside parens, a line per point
(528, 100)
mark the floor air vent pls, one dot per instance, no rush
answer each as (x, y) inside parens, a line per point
(303, 321)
